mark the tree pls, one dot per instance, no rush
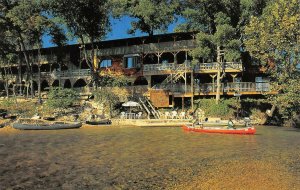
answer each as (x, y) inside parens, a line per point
(26, 23)
(149, 15)
(112, 95)
(59, 98)
(273, 38)
(220, 24)
(87, 20)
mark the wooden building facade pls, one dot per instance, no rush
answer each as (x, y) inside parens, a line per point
(159, 66)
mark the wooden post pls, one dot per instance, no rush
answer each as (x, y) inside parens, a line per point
(173, 100)
(182, 99)
(233, 76)
(185, 87)
(158, 54)
(213, 81)
(192, 89)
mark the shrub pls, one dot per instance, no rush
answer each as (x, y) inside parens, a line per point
(224, 109)
(258, 116)
(59, 98)
(24, 108)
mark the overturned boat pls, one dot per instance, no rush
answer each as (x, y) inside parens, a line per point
(224, 130)
(103, 122)
(39, 124)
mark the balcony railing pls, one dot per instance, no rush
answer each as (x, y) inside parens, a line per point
(235, 87)
(165, 67)
(212, 88)
(65, 74)
(189, 66)
(74, 73)
(149, 48)
(215, 66)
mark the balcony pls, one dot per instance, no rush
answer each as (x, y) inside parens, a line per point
(247, 88)
(64, 74)
(165, 68)
(44, 59)
(168, 68)
(183, 45)
(213, 67)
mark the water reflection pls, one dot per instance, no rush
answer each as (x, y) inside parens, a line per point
(149, 158)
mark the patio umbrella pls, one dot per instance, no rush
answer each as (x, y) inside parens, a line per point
(131, 104)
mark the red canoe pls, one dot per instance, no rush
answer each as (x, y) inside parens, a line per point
(242, 131)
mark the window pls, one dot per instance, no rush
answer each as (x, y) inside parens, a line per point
(131, 61)
(105, 63)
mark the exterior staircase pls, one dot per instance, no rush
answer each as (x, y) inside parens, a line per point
(172, 78)
(177, 73)
(146, 104)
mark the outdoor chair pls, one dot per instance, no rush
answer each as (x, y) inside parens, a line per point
(182, 115)
(167, 115)
(123, 115)
(174, 115)
(139, 115)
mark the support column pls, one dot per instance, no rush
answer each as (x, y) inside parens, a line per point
(192, 89)
(185, 87)
(175, 56)
(233, 76)
(182, 102)
(148, 78)
(173, 101)
(158, 54)
(213, 81)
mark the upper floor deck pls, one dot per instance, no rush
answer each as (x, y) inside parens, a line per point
(169, 68)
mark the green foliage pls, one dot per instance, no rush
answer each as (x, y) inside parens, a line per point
(108, 98)
(59, 98)
(150, 15)
(225, 109)
(112, 82)
(220, 23)
(258, 116)
(83, 18)
(273, 39)
(22, 108)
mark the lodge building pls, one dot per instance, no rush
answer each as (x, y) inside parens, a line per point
(158, 67)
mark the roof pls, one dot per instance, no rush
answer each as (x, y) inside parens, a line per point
(129, 41)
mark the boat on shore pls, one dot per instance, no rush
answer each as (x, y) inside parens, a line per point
(104, 122)
(39, 124)
(222, 129)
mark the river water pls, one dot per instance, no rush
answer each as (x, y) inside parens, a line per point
(149, 158)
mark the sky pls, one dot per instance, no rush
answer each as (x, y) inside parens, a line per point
(119, 31)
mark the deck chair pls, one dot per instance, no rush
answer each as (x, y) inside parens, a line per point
(167, 115)
(139, 115)
(182, 115)
(123, 115)
(174, 115)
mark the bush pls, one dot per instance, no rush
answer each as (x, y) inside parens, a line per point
(108, 98)
(59, 98)
(23, 108)
(225, 109)
(258, 116)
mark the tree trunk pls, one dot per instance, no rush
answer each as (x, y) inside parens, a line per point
(271, 112)
(39, 84)
(29, 74)
(39, 76)
(6, 83)
(218, 76)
